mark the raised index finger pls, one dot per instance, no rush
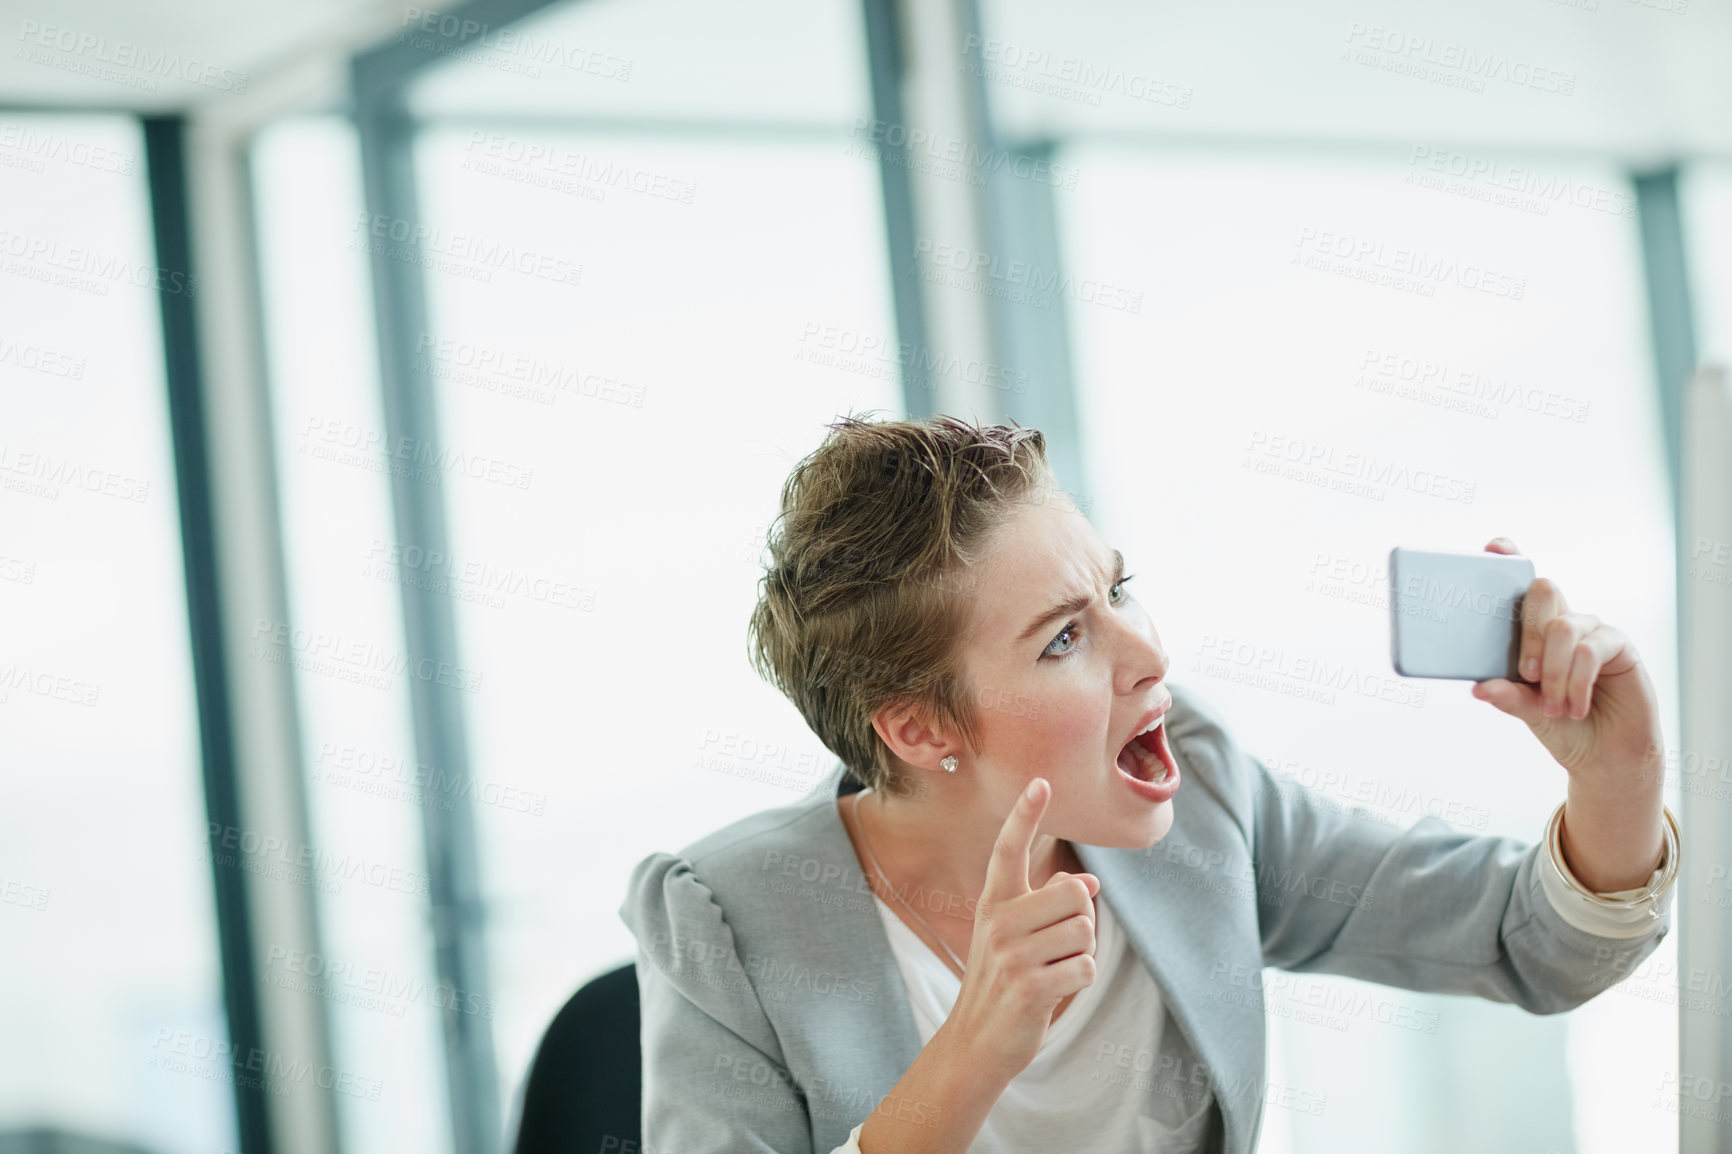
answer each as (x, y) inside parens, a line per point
(1007, 872)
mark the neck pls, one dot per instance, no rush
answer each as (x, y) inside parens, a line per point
(935, 850)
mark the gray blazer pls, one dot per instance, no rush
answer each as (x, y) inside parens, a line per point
(775, 1018)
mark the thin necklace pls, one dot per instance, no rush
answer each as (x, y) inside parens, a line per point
(873, 858)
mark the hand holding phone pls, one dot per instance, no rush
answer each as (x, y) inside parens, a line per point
(1576, 681)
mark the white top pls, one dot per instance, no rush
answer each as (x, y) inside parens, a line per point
(1076, 1094)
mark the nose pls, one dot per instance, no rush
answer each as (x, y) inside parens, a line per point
(1141, 656)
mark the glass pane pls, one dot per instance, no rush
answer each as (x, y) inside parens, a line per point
(112, 1008)
(365, 786)
(1335, 357)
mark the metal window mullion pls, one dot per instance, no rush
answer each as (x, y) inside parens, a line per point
(885, 63)
(233, 560)
(164, 143)
(430, 633)
(1034, 344)
(1694, 459)
(1013, 219)
(1670, 320)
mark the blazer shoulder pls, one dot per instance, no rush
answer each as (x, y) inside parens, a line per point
(699, 915)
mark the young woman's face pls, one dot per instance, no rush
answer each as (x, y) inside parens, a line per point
(1066, 668)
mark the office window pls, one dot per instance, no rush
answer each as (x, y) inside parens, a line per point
(112, 1006)
(644, 306)
(1333, 357)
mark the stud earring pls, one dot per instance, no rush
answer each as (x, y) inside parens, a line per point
(949, 764)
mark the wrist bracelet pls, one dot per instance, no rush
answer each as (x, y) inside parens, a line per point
(1662, 879)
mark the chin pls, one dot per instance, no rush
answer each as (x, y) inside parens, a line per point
(1156, 825)
(1140, 833)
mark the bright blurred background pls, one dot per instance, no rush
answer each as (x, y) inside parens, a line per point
(394, 401)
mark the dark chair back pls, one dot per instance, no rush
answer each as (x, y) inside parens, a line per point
(585, 1085)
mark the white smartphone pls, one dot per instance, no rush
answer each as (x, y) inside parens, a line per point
(1456, 615)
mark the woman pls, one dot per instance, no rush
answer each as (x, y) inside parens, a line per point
(1040, 924)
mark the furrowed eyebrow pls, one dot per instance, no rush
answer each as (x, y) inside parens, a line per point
(1071, 605)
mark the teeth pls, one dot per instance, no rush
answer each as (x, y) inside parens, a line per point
(1152, 765)
(1155, 724)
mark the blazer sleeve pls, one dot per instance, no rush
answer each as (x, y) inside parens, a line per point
(1423, 908)
(714, 1077)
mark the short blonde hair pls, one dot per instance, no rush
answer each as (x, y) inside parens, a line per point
(866, 594)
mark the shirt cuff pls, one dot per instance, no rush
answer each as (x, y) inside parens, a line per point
(1591, 918)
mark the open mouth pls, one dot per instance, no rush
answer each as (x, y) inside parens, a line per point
(1146, 756)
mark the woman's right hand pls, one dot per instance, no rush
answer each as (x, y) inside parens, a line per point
(1030, 949)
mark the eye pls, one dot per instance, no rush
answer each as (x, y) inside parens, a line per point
(1117, 595)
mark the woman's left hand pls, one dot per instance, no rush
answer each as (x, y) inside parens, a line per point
(1593, 707)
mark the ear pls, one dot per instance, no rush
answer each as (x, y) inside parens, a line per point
(910, 736)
